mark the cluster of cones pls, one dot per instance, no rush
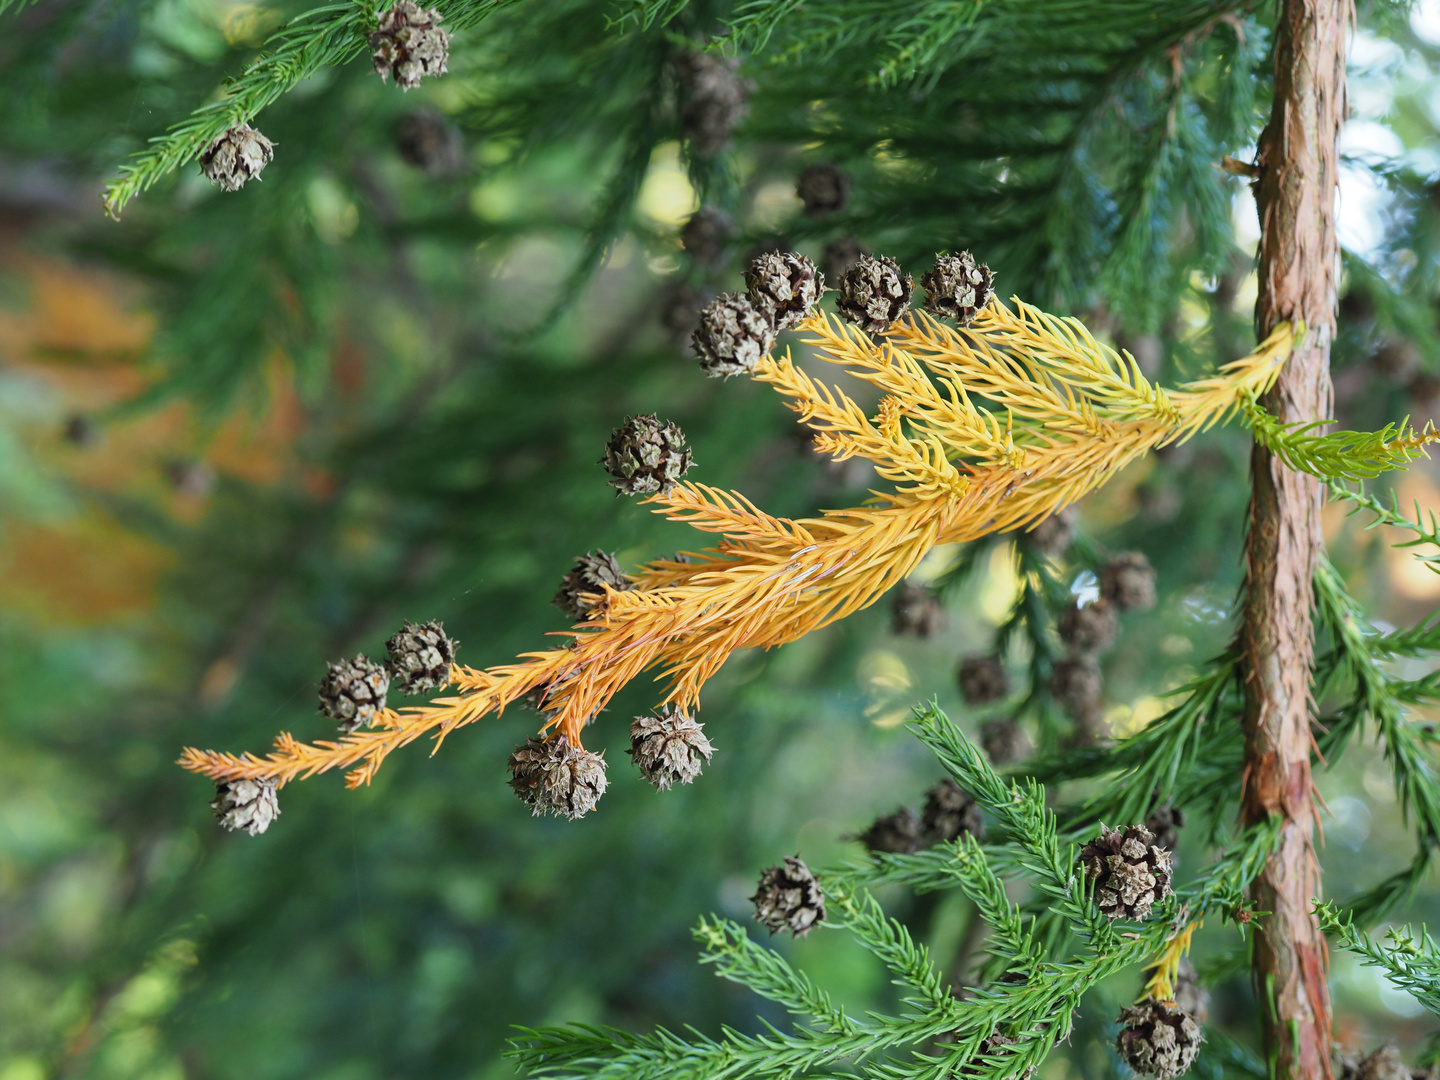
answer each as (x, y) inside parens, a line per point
(1086, 629)
(1128, 871)
(353, 693)
(407, 44)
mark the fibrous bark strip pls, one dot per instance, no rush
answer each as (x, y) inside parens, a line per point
(1295, 193)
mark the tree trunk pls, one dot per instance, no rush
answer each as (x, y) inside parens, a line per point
(1296, 198)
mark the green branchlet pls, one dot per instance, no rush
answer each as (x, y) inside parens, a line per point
(1341, 455)
(327, 36)
(1425, 528)
(1188, 756)
(1411, 963)
(1033, 1007)
(1353, 664)
(1029, 825)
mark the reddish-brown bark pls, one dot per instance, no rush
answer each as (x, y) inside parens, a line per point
(1296, 197)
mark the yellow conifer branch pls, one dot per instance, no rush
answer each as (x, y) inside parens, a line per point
(1062, 414)
(1165, 968)
(950, 416)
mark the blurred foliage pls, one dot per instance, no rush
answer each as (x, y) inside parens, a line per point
(241, 435)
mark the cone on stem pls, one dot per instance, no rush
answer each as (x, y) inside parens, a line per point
(353, 692)
(949, 812)
(669, 747)
(409, 44)
(1131, 874)
(427, 140)
(957, 288)
(823, 189)
(784, 287)
(236, 157)
(1054, 535)
(983, 679)
(552, 777)
(732, 337)
(789, 898)
(246, 805)
(1158, 1040)
(646, 456)
(420, 656)
(916, 611)
(716, 100)
(1004, 741)
(582, 590)
(900, 833)
(1076, 683)
(1088, 628)
(875, 293)
(1128, 582)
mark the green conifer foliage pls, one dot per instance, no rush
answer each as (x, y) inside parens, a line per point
(463, 331)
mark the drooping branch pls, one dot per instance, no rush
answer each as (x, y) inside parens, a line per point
(1076, 414)
(327, 36)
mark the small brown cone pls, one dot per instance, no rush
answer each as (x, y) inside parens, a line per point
(732, 337)
(1089, 629)
(900, 833)
(353, 692)
(1091, 728)
(983, 680)
(552, 777)
(874, 293)
(916, 611)
(81, 430)
(949, 812)
(1158, 1040)
(420, 657)
(823, 188)
(669, 747)
(246, 805)
(1004, 741)
(409, 43)
(1130, 873)
(1163, 822)
(789, 898)
(1128, 582)
(582, 590)
(1077, 683)
(427, 140)
(645, 456)
(784, 287)
(716, 99)
(237, 157)
(1053, 536)
(957, 288)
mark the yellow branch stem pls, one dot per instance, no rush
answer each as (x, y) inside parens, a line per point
(1165, 968)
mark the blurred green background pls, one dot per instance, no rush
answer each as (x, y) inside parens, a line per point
(243, 435)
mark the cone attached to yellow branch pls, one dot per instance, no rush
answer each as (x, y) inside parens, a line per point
(982, 429)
